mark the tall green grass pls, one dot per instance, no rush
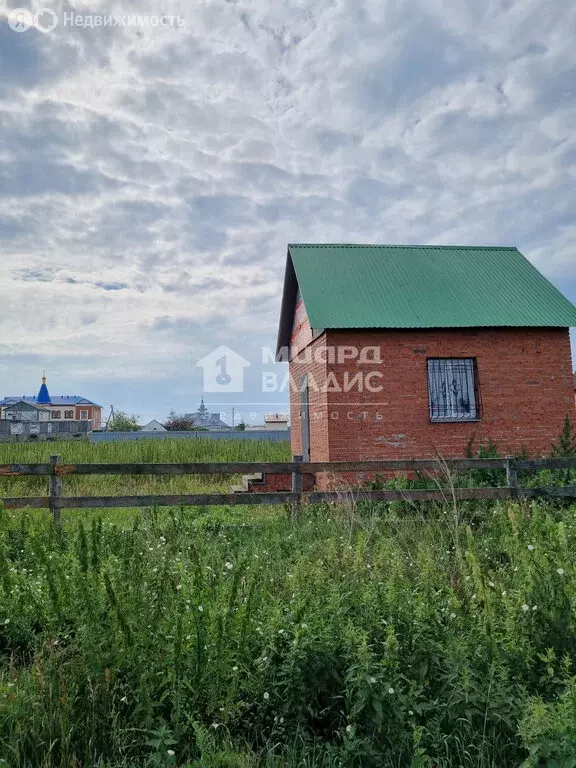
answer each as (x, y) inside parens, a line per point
(135, 451)
(351, 639)
(159, 450)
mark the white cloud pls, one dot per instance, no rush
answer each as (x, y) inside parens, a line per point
(151, 177)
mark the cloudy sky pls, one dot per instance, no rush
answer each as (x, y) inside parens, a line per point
(151, 176)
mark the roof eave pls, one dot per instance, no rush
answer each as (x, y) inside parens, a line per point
(448, 327)
(289, 293)
(12, 403)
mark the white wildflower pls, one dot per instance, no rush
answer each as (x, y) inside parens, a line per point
(525, 608)
(504, 593)
(229, 566)
(560, 571)
(200, 608)
(452, 615)
(348, 729)
(171, 753)
(234, 669)
(372, 680)
(266, 696)
(534, 607)
(530, 547)
(491, 584)
(391, 691)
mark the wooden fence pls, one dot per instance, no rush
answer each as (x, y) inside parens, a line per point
(442, 469)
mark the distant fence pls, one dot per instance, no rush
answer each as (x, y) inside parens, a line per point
(276, 435)
(18, 430)
(56, 472)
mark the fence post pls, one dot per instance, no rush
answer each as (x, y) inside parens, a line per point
(296, 486)
(55, 490)
(512, 477)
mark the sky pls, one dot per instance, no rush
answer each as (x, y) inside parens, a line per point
(153, 171)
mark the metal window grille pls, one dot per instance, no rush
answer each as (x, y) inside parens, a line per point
(453, 390)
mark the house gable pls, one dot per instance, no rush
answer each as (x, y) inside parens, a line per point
(365, 286)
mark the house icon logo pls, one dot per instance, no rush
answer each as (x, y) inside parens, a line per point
(223, 370)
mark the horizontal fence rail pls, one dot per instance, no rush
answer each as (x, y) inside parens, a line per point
(286, 467)
(57, 472)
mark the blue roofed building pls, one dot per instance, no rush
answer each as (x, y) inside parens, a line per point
(47, 407)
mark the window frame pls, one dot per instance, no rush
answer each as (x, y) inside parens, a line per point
(55, 415)
(83, 417)
(69, 414)
(455, 419)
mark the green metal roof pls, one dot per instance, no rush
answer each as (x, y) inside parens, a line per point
(419, 286)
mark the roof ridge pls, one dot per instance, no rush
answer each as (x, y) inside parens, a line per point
(399, 245)
(411, 286)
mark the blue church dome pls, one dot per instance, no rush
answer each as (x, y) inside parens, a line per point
(43, 394)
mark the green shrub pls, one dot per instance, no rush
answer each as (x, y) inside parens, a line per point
(549, 729)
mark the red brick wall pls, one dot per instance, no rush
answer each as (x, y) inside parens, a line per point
(94, 414)
(276, 483)
(301, 332)
(525, 382)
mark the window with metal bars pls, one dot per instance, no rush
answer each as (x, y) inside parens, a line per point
(453, 389)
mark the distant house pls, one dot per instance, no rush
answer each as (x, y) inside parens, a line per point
(203, 419)
(276, 421)
(153, 426)
(44, 407)
(23, 411)
(413, 351)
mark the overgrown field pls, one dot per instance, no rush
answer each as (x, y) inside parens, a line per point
(365, 635)
(165, 450)
(354, 638)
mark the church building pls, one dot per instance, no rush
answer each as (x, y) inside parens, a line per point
(45, 407)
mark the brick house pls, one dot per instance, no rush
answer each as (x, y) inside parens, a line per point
(416, 351)
(44, 407)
